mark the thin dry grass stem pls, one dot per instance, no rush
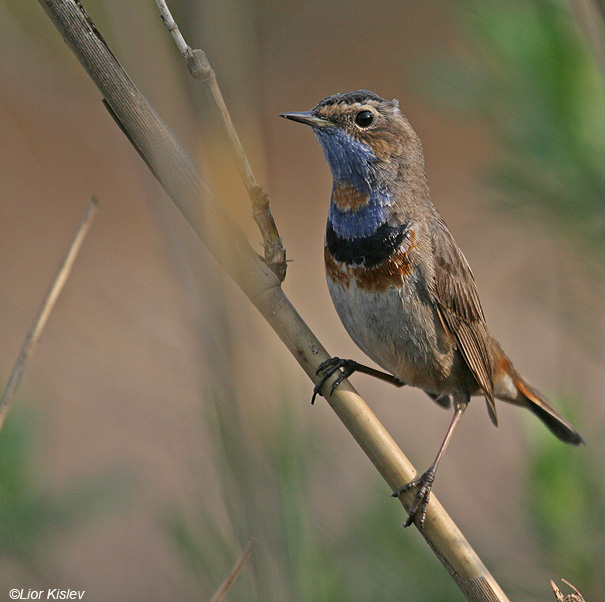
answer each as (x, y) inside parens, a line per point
(575, 597)
(232, 576)
(199, 67)
(185, 184)
(33, 336)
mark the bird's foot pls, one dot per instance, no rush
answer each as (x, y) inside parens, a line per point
(420, 505)
(329, 367)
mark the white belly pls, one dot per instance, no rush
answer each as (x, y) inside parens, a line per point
(397, 330)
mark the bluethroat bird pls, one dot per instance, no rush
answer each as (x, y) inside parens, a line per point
(399, 282)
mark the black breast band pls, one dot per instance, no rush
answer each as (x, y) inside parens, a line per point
(368, 250)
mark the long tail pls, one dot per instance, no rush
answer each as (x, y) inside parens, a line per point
(510, 386)
(538, 404)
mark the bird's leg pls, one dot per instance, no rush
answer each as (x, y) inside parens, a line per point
(425, 482)
(348, 367)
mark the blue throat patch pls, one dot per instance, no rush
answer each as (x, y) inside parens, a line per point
(352, 163)
(350, 160)
(358, 223)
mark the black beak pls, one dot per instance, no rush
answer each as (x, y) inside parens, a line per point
(306, 117)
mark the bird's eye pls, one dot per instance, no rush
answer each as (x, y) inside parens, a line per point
(364, 118)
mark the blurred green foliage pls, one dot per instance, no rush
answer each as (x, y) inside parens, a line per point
(33, 514)
(528, 71)
(269, 494)
(566, 503)
(269, 490)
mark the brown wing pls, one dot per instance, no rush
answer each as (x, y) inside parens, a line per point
(456, 295)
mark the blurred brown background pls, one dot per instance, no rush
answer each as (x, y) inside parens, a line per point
(149, 334)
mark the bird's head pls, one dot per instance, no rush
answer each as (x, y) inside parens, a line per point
(365, 138)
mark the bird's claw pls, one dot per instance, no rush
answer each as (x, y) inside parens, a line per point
(421, 502)
(329, 367)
